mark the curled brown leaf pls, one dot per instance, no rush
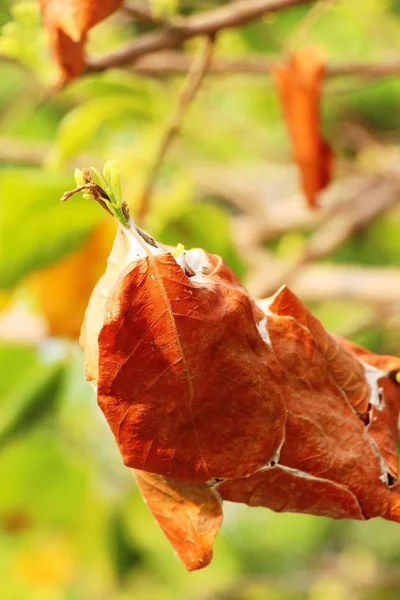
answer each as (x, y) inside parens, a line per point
(190, 515)
(214, 395)
(68, 22)
(299, 82)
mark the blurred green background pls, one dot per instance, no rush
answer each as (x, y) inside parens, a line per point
(72, 524)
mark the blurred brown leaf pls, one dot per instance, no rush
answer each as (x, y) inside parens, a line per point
(299, 83)
(68, 22)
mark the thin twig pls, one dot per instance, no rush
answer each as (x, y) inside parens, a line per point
(181, 29)
(338, 228)
(191, 86)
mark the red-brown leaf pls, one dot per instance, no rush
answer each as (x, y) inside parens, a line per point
(179, 360)
(68, 22)
(214, 391)
(383, 426)
(299, 83)
(287, 490)
(67, 53)
(190, 515)
(342, 365)
(325, 432)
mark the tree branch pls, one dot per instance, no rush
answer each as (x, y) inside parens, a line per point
(172, 62)
(192, 84)
(181, 29)
(341, 224)
(384, 69)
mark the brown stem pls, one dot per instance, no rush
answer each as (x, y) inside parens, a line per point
(97, 193)
(191, 86)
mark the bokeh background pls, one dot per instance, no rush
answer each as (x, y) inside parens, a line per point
(72, 524)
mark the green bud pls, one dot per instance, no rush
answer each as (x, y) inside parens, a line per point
(79, 178)
(114, 180)
(102, 181)
(104, 187)
(107, 170)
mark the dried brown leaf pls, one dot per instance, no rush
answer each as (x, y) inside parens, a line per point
(68, 22)
(207, 390)
(299, 83)
(190, 515)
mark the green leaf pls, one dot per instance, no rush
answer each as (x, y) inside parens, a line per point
(38, 477)
(112, 83)
(14, 360)
(32, 396)
(35, 228)
(81, 124)
(26, 25)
